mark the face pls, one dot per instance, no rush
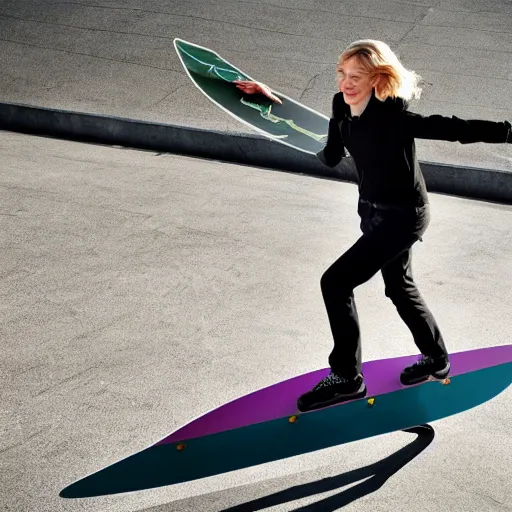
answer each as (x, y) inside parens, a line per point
(354, 82)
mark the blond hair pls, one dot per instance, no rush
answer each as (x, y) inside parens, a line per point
(380, 61)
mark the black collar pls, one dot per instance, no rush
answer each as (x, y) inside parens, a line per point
(341, 110)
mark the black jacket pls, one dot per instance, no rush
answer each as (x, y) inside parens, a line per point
(381, 142)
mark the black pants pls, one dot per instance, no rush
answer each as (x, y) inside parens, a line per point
(388, 235)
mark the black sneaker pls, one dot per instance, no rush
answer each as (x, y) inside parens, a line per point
(331, 390)
(425, 369)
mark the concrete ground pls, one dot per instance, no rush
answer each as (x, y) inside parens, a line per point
(117, 58)
(141, 290)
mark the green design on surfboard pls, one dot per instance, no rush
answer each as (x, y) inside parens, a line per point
(265, 111)
(204, 63)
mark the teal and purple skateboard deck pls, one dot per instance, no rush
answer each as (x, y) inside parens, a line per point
(265, 425)
(291, 123)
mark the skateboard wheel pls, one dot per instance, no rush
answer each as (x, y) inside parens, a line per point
(445, 382)
(292, 419)
(180, 447)
(371, 402)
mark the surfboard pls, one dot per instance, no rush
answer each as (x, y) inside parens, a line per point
(292, 123)
(265, 425)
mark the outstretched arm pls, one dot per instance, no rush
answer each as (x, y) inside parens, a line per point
(453, 129)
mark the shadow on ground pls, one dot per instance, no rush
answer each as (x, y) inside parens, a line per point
(375, 476)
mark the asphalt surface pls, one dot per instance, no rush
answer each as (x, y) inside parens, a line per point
(117, 58)
(141, 290)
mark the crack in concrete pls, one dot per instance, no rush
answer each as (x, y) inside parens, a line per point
(331, 12)
(487, 14)
(21, 443)
(167, 95)
(455, 73)
(53, 197)
(71, 52)
(223, 22)
(271, 57)
(458, 27)
(418, 22)
(429, 10)
(493, 50)
(52, 23)
(67, 379)
(311, 82)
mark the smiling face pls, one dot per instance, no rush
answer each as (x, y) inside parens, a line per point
(355, 83)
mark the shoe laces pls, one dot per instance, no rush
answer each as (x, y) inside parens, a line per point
(424, 360)
(332, 378)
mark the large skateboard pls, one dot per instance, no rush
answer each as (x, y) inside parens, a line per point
(291, 123)
(265, 425)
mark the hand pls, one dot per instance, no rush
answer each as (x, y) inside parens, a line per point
(249, 87)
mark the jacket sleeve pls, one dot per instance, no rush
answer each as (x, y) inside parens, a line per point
(453, 129)
(334, 149)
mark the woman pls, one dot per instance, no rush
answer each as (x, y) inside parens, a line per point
(370, 119)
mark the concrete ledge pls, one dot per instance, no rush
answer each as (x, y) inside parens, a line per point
(252, 150)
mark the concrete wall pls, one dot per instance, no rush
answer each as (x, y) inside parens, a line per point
(241, 148)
